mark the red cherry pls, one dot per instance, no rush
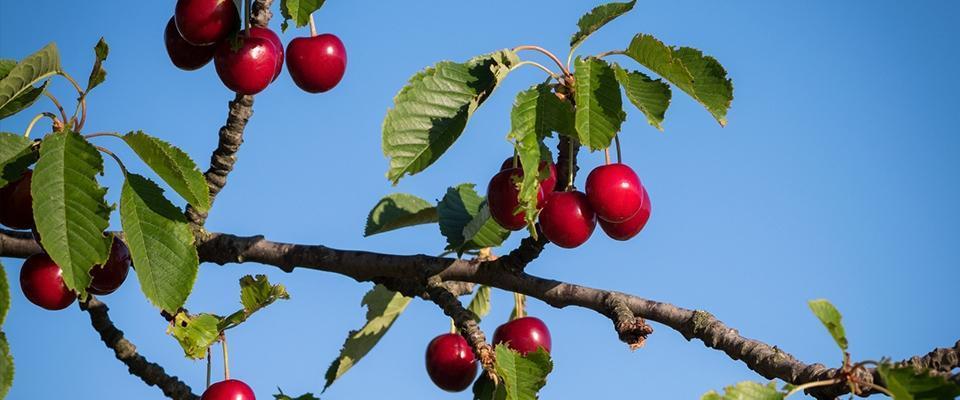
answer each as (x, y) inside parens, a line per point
(502, 198)
(42, 283)
(451, 363)
(230, 389)
(249, 68)
(548, 185)
(631, 227)
(316, 63)
(523, 335)
(205, 22)
(567, 219)
(273, 38)
(110, 276)
(183, 54)
(16, 203)
(614, 192)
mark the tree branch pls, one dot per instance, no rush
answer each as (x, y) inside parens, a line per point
(466, 322)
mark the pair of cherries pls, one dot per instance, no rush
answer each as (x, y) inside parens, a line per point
(452, 366)
(248, 61)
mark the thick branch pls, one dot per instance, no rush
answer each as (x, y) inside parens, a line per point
(466, 322)
(631, 329)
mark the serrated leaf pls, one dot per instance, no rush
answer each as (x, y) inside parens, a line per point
(6, 366)
(599, 105)
(299, 11)
(482, 231)
(597, 18)
(746, 391)
(459, 209)
(431, 111)
(306, 396)
(485, 389)
(700, 76)
(383, 308)
(830, 318)
(98, 74)
(523, 376)
(907, 383)
(28, 72)
(161, 243)
(399, 210)
(4, 296)
(23, 101)
(174, 166)
(195, 333)
(480, 304)
(651, 96)
(5, 66)
(69, 207)
(255, 294)
(15, 156)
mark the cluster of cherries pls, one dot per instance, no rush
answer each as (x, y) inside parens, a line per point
(614, 195)
(452, 366)
(41, 279)
(248, 61)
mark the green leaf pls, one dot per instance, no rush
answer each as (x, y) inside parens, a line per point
(4, 295)
(830, 318)
(480, 304)
(651, 96)
(174, 166)
(383, 308)
(15, 156)
(431, 111)
(907, 383)
(98, 74)
(399, 210)
(307, 396)
(195, 333)
(255, 294)
(28, 72)
(6, 366)
(746, 391)
(297, 10)
(465, 220)
(161, 243)
(597, 18)
(69, 207)
(485, 389)
(599, 105)
(5, 66)
(700, 76)
(523, 376)
(23, 101)
(482, 231)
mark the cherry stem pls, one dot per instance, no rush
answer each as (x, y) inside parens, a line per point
(556, 60)
(208, 368)
(519, 306)
(36, 119)
(81, 102)
(809, 385)
(453, 326)
(538, 65)
(226, 357)
(115, 158)
(56, 103)
(616, 139)
(606, 156)
(246, 14)
(609, 53)
(99, 134)
(516, 158)
(313, 26)
(570, 167)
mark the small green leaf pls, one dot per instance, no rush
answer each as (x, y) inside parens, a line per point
(6, 366)
(480, 304)
(482, 231)
(174, 166)
(485, 389)
(746, 391)
(830, 318)
(599, 105)
(907, 383)
(306, 396)
(255, 294)
(597, 18)
(23, 101)
(5, 66)
(15, 156)
(69, 207)
(431, 111)
(299, 11)
(28, 72)
(4, 295)
(98, 74)
(383, 308)
(523, 376)
(460, 215)
(161, 243)
(651, 96)
(399, 210)
(195, 333)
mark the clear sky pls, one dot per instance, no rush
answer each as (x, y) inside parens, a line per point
(837, 177)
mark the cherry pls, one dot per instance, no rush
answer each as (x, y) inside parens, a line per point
(523, 335)
(547, 184)
(42, 283)
(183, 54)
(316, 63)
(230, 389)
(273, 38)
(631, 227)
(502, 198)
(567, 219)
(16, 203)
(450, 362)
(205, 22)
(614, 192)
(246, 64)
(109, 277)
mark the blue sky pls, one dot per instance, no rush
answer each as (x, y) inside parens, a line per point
(837, 177)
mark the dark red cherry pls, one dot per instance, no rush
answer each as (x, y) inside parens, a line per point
(109, 277)
(183, 54)
(523, 335)
(316, 63)
(42, 283)
(450, 362)
(502, 198)
(206, 22)
(230, 389)
(246, 64)
(548, 184)
(16, 203)
(273, 38)
(567, 219)
(614, 192)
(631, 227)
